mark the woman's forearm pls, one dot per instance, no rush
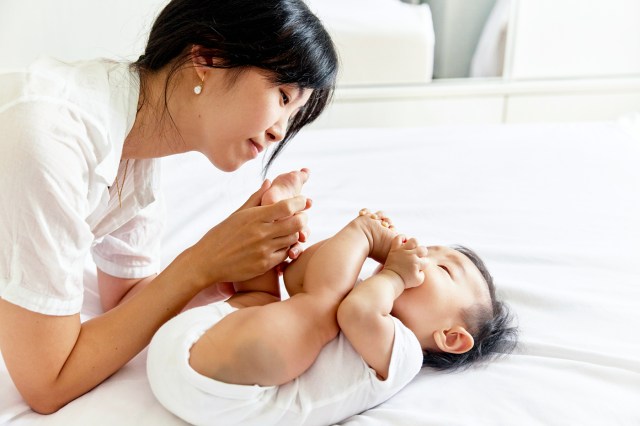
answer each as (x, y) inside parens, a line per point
(54, 360)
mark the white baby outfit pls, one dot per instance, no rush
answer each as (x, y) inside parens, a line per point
(62, 129)
(338, 385)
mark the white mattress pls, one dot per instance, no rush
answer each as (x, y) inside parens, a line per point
(553, 209)
(379, 42)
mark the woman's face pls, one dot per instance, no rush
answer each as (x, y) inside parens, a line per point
(237, 115)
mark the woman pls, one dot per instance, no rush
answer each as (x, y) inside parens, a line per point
(79, 148)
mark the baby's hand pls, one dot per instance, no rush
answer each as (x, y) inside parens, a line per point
(408, 259)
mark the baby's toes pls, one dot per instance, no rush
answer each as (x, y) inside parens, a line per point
(301, 177)
(378, 216)
(374, 216)
(384, 219)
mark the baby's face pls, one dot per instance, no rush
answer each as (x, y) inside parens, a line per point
(452, 283)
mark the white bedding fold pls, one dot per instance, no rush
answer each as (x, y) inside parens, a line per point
(552, 209)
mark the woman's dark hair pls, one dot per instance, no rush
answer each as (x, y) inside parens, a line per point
(282, 37)
(491, 328)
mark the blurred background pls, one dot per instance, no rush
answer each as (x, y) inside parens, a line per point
(404, 63)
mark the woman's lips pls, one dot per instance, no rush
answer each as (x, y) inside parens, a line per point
(256, 148)
(259, 147)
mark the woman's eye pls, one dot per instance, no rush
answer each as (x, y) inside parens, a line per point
(285, 98)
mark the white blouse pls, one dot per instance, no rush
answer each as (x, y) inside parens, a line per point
(62, 128)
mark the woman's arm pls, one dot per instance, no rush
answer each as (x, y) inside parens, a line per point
(53, 360)
(115, 290)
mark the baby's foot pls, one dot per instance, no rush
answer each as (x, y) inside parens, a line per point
(379, 231)
(285, 186)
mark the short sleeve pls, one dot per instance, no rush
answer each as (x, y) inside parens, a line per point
(133, 250)
(406, 360)
(43, 203)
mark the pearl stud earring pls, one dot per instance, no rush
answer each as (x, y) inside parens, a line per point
(198, 89)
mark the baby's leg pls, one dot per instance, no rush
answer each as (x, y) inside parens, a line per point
(275, 343)
(285, 186)
(294, 274)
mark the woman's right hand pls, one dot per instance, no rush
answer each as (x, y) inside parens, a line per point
(249, 242)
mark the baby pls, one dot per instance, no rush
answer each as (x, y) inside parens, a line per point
(333, 348)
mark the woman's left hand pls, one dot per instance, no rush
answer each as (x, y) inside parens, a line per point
(284, 186)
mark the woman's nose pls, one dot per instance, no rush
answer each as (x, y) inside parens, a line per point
(277, 132)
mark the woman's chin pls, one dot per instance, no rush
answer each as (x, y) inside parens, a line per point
(226, 166)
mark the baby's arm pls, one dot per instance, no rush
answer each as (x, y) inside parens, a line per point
(364, 315)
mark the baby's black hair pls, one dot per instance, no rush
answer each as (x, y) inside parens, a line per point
(491, 328)
(282, 37)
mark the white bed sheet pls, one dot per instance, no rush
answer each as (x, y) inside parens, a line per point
(553, 209)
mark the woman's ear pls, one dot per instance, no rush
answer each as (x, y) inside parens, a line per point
(199, 62)
(456, 340)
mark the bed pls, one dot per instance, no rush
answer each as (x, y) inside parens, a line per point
(554, 209)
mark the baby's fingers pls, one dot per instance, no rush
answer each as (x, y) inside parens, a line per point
(411, 244)
(420, 278)
(422, 264)
(397, 241)
(422, 251)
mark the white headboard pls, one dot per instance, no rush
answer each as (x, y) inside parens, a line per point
(574, 38)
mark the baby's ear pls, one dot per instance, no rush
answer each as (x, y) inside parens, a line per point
(456, 340)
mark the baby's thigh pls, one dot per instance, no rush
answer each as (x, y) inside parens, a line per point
(265, 345)
(187, 394)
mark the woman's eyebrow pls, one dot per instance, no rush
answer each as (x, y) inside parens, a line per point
(297, 92)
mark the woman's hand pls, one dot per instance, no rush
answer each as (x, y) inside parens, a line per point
(287, 185)
(248, 243)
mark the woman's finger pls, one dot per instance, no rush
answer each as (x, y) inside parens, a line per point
(295, 251)
(279, 256)
(304, 234)
(285, 208)
(285, 242)
(288, 226)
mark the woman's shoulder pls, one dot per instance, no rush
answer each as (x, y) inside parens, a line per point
(86, 84)
(91, 102)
